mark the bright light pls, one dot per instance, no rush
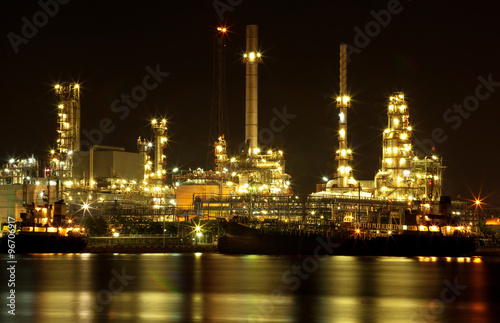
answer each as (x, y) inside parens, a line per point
(57, 86)
(325, 179)
(199, 234)
(198, 228)
(251, 56)
(116, 234)
(341, 116)
(175, 170)
(77, 86)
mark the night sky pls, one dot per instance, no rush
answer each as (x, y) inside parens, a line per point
(440, 53)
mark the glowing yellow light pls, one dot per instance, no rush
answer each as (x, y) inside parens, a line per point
(57, 86)
(342, 133)
(77, 86)
(252, 56)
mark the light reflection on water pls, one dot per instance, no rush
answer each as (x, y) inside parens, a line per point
(221, 288)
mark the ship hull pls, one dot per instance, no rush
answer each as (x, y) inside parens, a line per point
(428, 244)
(35, 243)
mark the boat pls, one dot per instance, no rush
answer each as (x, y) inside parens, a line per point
(36, 234)
(43, 240)
(241, 239)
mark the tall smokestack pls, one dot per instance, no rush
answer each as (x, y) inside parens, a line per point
(251, 58)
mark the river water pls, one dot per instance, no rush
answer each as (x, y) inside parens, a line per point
(222, 288)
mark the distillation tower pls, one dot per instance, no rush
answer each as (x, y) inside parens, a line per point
(68, 129)
(159, 127)
(403, 175)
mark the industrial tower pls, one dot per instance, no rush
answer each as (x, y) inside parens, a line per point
(396, 147)
(68, 129)
(159, 127)
(344, 154)
(219, 119)
(404, 176)
(252, 58)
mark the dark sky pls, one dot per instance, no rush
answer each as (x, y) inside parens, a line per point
(434, 51)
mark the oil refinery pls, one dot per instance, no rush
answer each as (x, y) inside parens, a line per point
(107, 181)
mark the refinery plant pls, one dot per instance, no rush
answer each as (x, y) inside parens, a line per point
(105, 181)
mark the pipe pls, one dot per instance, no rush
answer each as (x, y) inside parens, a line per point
(91, 160)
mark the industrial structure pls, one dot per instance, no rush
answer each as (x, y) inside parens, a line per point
(403, 175)
(219, 125)
(68, 129)
(108, 181)
(343, 175)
